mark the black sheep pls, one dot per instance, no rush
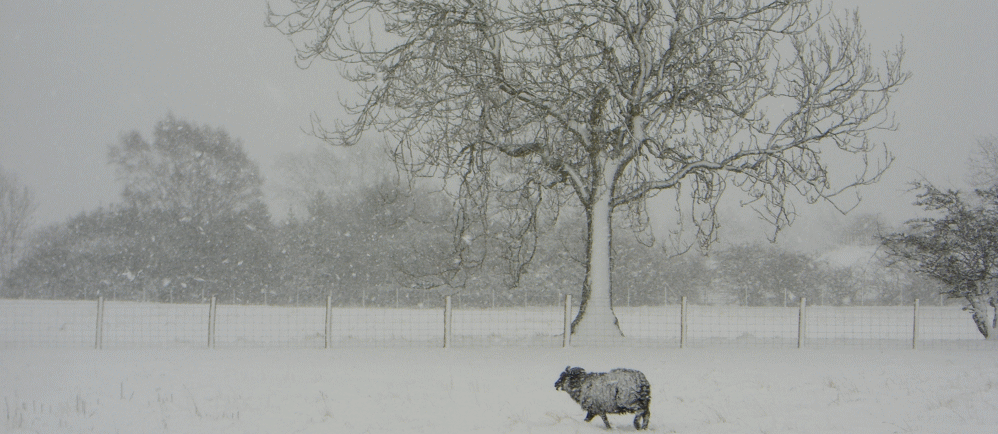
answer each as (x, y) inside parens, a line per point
(619, 391)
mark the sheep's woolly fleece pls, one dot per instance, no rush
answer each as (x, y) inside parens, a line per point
(616, 392)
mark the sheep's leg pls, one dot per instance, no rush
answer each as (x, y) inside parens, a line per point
(641, 419)
(606, 421)
(590, 416)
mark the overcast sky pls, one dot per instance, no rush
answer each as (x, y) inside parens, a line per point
(74, 75)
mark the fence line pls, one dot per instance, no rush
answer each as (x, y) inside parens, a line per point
(130, 324)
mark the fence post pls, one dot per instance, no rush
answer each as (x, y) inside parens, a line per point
(211, 322)
(567, 338)
(682, 323)
(802, 322)
(99, 338)
(447, 321)
(914, 328)
(329, 319)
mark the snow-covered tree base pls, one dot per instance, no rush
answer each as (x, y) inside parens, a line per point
(596, 327)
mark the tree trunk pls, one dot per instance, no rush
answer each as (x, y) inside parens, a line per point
(596, 324)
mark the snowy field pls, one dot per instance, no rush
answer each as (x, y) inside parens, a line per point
(491, 390)
(43, 323)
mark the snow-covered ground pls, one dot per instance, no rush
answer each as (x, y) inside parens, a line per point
(491, 390)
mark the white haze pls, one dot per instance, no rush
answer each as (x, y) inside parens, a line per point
(74, 75)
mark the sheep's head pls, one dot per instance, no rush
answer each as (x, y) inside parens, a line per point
(565, 380)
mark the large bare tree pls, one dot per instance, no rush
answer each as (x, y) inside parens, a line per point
(525, 102)
(17, 204)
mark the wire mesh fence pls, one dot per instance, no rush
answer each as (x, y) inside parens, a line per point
(449, 321)
(742, 326)
(135, 324)
(47, 323)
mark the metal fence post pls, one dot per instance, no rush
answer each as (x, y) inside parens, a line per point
(567, 330)
(211, 322)
(802, 322)
(99, 338)
(329, 319)
(914, 327)
(682, 323)
(447, 321)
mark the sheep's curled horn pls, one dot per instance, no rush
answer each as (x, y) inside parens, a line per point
(619, 391)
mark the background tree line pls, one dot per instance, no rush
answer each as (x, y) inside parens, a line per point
(192, 223)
